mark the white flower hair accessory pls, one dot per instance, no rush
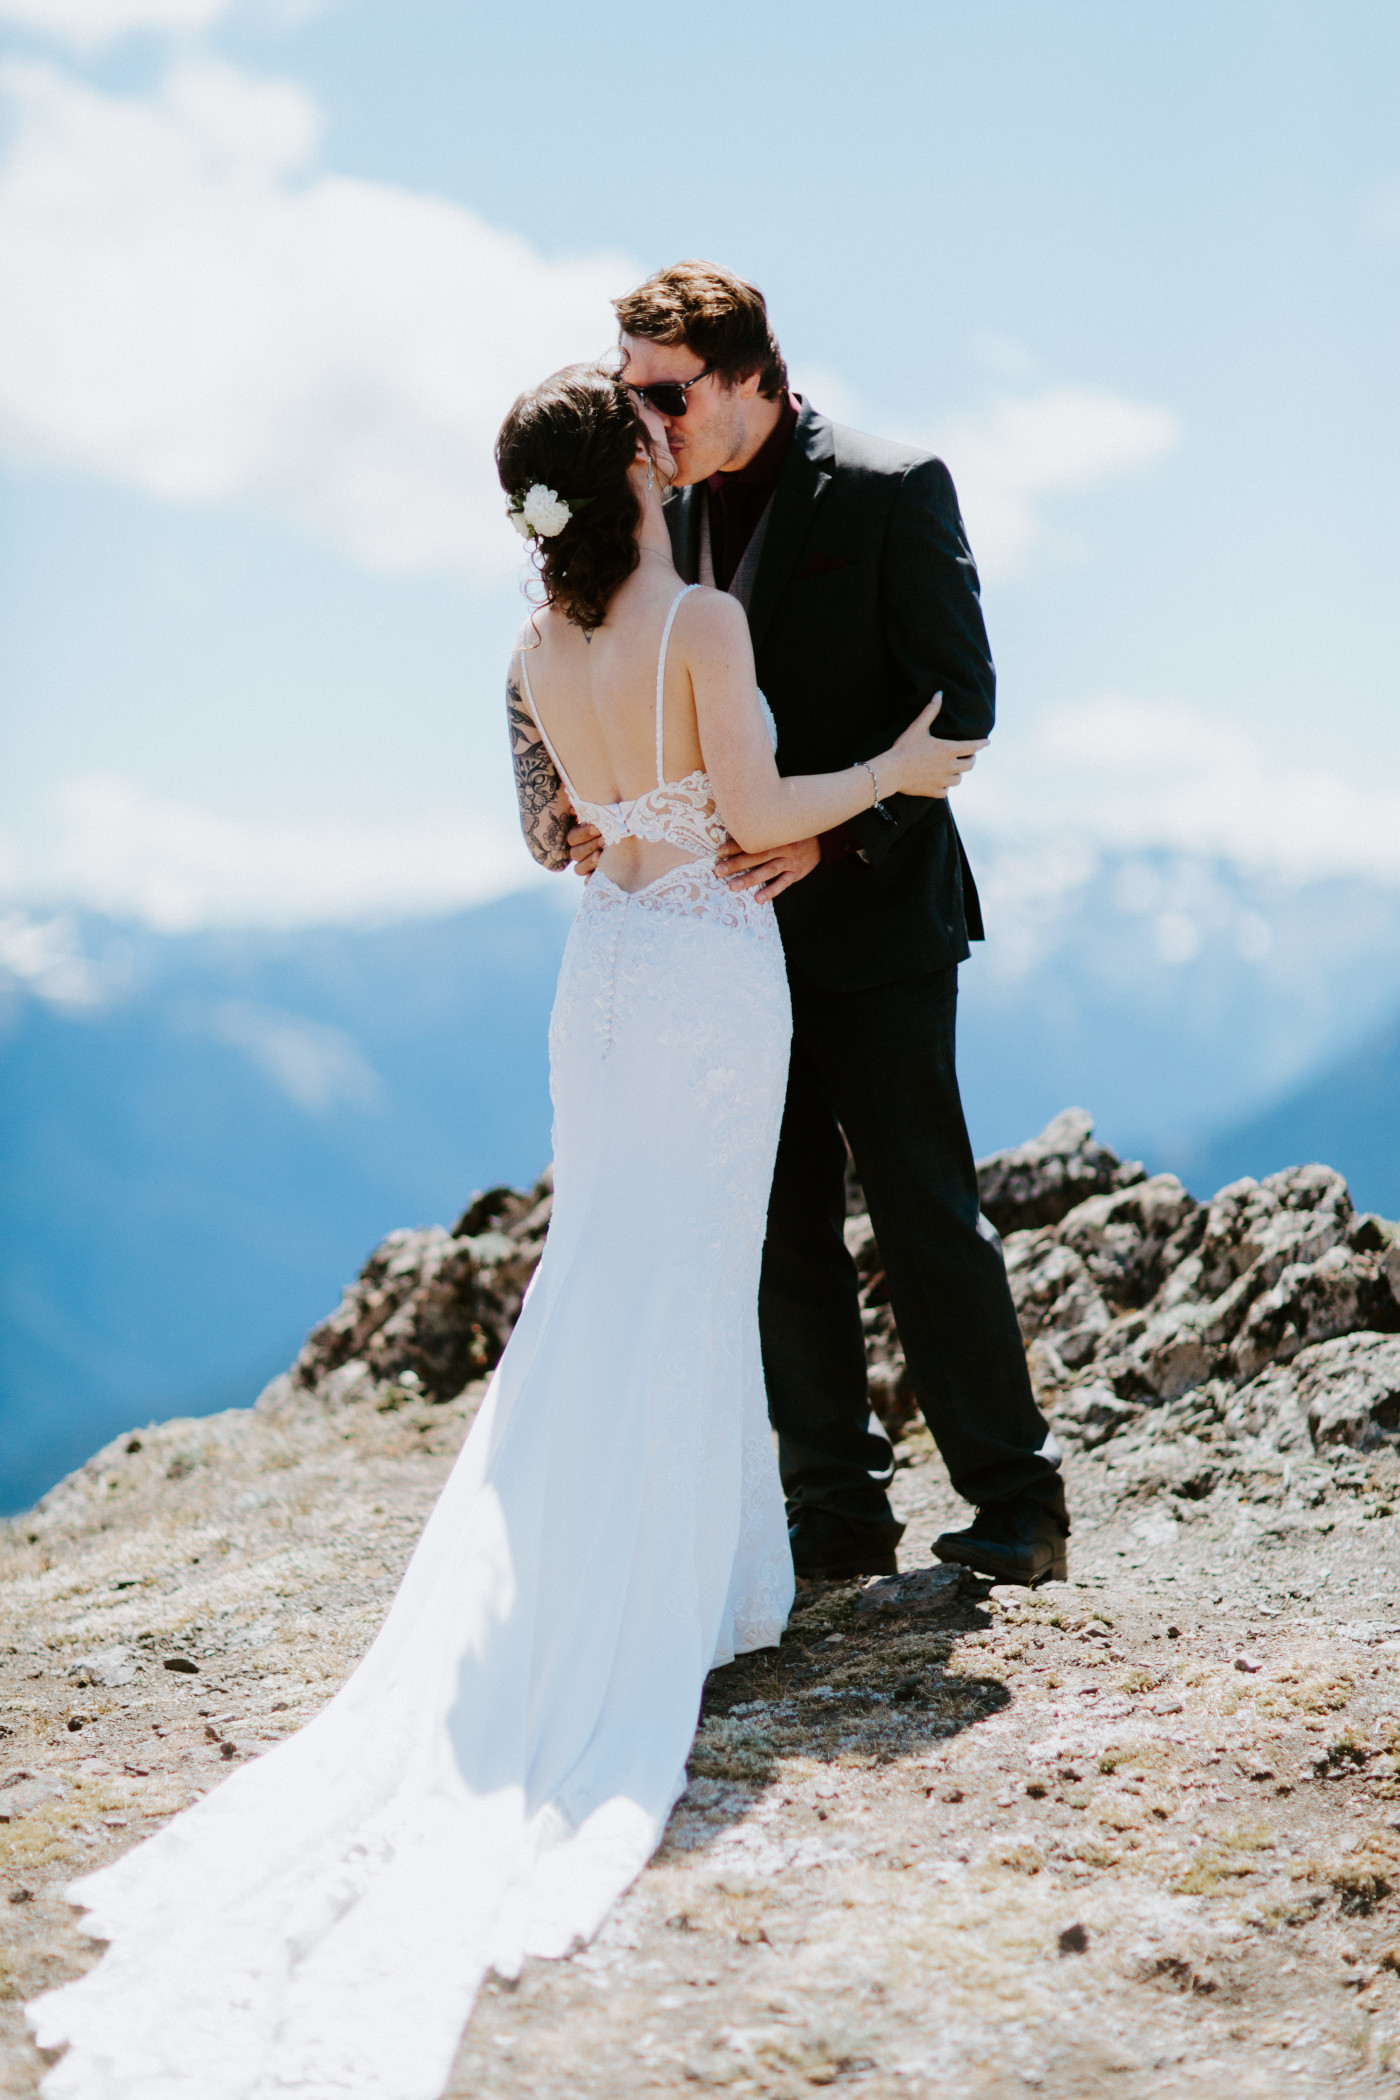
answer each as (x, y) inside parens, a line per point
(539, 513)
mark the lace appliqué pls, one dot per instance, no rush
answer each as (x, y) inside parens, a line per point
(679, 813)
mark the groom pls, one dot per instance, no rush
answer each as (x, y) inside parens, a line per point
(849, 556)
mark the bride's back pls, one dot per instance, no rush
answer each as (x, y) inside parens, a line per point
(595, 700)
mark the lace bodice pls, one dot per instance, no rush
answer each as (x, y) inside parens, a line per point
(674, 812)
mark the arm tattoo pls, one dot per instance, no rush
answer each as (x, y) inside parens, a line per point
(545, 815)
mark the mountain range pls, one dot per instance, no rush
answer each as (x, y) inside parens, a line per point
(202, 1135)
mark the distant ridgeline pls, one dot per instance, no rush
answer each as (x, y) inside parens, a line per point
(203, 1134)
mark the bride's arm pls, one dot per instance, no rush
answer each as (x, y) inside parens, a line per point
(545, 810)
(759, 805)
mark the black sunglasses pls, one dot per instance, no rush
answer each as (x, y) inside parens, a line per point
(667, 396)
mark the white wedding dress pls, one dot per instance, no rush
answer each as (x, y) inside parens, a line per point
(503, 1761)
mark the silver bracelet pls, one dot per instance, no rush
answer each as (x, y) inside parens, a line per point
(876, 803)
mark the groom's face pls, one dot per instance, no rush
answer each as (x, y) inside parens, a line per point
(713, 434)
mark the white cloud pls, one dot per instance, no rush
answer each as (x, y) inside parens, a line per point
(187, 308)
(113, 847)
(89, 24)
(45, 956)
(1126, 773)
(317, 1066)
(1012, 457)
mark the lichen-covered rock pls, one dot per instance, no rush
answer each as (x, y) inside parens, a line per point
(1149, 1297)
(1349, 1389)
(1092, 1413)
(1174, 1352)
(1259, 1227)
(1130, 1242)
(431, 1310)
(1148, 1317)
(1338, 1294)
(1040, 1182)
(1055, 1296)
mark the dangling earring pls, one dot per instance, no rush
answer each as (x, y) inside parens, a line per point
(651, 476)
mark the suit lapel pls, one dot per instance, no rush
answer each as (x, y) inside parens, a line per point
(803, 482)
(682, 515)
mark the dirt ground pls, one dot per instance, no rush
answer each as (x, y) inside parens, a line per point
(1137, 1833)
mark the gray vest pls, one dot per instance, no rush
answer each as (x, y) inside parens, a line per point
(741, 585)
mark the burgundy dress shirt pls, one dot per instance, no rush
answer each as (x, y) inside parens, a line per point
(737, 501)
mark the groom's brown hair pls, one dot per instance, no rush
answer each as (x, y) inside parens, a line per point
(719, 316)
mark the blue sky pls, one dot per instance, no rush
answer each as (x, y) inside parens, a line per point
(269, 274)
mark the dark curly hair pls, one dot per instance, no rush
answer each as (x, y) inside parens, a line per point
(578, 434)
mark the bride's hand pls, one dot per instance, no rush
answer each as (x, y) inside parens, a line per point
(920, 763)
(585, 844)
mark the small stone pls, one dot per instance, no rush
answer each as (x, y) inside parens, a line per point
(21, 1895)
(183, 1664)
(1249, 1664)
(1074, 1940)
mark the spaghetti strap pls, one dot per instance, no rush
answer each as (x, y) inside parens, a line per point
(683, 592)
(544, 733)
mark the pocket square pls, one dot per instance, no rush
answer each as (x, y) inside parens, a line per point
(820, 564)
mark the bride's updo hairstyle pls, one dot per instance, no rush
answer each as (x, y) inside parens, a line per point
(577, 434)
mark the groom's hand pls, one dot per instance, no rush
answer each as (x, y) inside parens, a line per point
(769, 873)
(585, 844)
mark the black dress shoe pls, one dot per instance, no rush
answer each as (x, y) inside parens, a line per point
(829, 1548)
(1013, 1541)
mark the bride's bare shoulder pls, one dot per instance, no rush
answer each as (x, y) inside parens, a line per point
(542, 622)
(714, 622)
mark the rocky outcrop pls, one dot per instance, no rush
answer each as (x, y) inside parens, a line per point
(1272, 1307)
(1275, 1294)
(1038, 1183)
(430, 1311)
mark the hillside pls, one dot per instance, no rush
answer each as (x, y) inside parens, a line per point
(1132, 1832)
(1349, 1113)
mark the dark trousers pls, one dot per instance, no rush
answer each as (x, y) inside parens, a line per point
(878, 1064)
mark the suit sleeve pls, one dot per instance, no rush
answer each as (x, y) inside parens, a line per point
(932, 610)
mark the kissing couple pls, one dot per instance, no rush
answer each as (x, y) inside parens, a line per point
(757, 669)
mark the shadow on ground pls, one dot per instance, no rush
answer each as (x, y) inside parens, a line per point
(867, 1675)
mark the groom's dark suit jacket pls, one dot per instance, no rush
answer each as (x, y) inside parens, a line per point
(864, 606)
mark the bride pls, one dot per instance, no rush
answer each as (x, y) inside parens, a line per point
(502, 1762)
